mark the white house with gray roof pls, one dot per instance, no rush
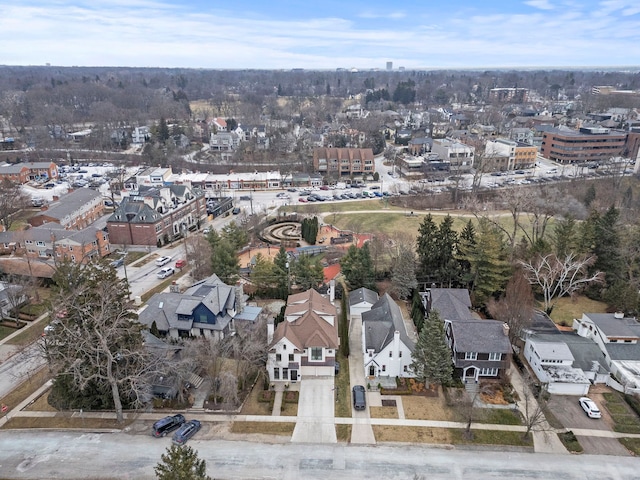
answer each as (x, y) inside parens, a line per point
(386, 345)
(361, 300)
(618, 337)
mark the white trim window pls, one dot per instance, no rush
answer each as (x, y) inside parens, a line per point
(488, 372)
(495, 356)
(315, 354)
(470, 355)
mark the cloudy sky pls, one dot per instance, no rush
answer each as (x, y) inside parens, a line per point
(321, 34)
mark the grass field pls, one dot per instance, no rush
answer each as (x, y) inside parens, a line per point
(566, 309)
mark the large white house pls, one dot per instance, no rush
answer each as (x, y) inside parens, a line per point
(386, 345)
(305, 343)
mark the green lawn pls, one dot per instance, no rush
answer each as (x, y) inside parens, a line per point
(5, 331)
(566, 309)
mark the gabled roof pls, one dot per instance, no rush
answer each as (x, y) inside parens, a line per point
(451, 303)
(362, 295)
(311, 300)
(381, 322)
(70, 203)
(612, 326)
(310, 330)
(480, 336)
(137, 210)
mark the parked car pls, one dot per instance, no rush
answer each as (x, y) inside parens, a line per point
(590, 407)
(162, 261)
(236, 210)
(166, 272)
(181, 263)
(117, 263)
(206, 231)
(167, 425)
(336, 367)
(186, 431)
(359, 397)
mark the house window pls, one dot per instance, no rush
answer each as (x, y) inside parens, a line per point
(40, 243)
(285, 373)
(470, 355)
(495, 356)
(278, 357)
(400, 354)
(70, 248)
(316, 353)
(291, 357)
(405, 369)
(276, 373)
(488, 372)
(390, 354)
(284, 347)
(384, 368)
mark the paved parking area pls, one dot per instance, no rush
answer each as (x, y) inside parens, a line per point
(567, 410)
(316, 415)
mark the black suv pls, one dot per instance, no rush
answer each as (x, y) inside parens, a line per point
(359, 397)
(167, 425)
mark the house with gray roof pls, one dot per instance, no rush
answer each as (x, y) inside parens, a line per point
(209, 308)
(451, 303)
(480, 348)
(618, 338)
(386, 345)
(361, 300)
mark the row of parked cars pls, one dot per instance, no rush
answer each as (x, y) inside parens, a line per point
(183, 429)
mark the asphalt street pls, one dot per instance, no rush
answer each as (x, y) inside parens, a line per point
(69, 455)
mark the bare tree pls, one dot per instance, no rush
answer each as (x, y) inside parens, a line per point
(228, 390)
(515, 307)
(95, 341)
(532, 406)
(198, 251)
(558, 277)
(12, 200)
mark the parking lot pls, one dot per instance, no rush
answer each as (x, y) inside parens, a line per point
(568, 412)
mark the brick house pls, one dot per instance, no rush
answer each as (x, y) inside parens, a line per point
(24, 172)
(74, 211)
(343, 161)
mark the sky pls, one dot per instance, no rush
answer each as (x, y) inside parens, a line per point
(321, 34)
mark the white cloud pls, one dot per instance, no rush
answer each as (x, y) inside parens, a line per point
(541, 4)
(392, 15)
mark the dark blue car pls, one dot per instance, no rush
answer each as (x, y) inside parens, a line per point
(186, 431)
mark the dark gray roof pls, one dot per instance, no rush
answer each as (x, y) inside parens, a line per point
(480, 336)
(71, 203)
(622, 351)
(584, 350)
(17, 167)
(451, 303)
(137, 210)
(381, 322)
(362, 295)
(615, 327)
(541, 323)
(162, 308)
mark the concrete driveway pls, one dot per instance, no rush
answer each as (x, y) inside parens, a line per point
(568, 412)
(361, 431)
(316, 412)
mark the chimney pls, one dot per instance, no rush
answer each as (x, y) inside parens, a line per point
(505, 329)
(240, 303)
(332, 290)
(270, 329)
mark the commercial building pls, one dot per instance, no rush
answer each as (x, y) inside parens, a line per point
(589, 144)
(340, 162)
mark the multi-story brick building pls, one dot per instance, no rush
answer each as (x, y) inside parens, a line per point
(589, 144)
(343, 161)
(515, 95)
(503, 154)
(155, 215)
(24, 172)
(74, 211)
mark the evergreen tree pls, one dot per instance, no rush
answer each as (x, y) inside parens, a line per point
(564, 237)
(307, 272)
(224, 261)
(163, 130)
(343, 327)
(427, 249)
(466, 244)
(590, 195)
(357, 267)
(262, 274)
(607, 246)
(431, 356)
(417, 310)
(181, 462)
(281, 273)
(154, 329)
(488, 260)
(446, 244)
(236, 236)
(403, 273)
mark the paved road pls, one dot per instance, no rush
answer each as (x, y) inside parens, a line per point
(53, 455)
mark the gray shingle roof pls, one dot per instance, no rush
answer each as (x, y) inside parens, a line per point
(480, 336)
(381, 322)
(451, 303)
(71, 203)
(362, 295)
(615, 327)
(584, 350)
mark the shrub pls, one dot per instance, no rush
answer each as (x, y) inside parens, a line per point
(570, 441)
(291, 397)
(633, 402)
(266, 396)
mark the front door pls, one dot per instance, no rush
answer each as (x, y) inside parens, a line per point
(470, 374)
(294, 375)
(372, 371)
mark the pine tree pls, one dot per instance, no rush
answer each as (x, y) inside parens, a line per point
(446, 244)
(357, 267)
(466, 244)
(343, 329)
(427, 249)
(403, 273)
(564, 237)
(431, 356)
(163, 130)
(281, 273)
(224, 261)
(417, 310)
(181, 463)
(262, 273)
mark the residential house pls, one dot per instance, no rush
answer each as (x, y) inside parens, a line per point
(361, 300)
(209, 309)
(618, 338)
(480, 348)
(224, 141)
(11, 297)
(74, 211)
(140, 135)
(305, 343)
(386, 345)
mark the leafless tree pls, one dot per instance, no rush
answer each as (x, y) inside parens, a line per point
(12, 200)
(515, 307)
(228, 390)
(558, 277)
(198, 251)
(533, 405)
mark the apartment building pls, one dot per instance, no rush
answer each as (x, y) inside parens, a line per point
(343, 161)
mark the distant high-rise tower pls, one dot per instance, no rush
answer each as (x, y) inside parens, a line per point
(389, 65)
